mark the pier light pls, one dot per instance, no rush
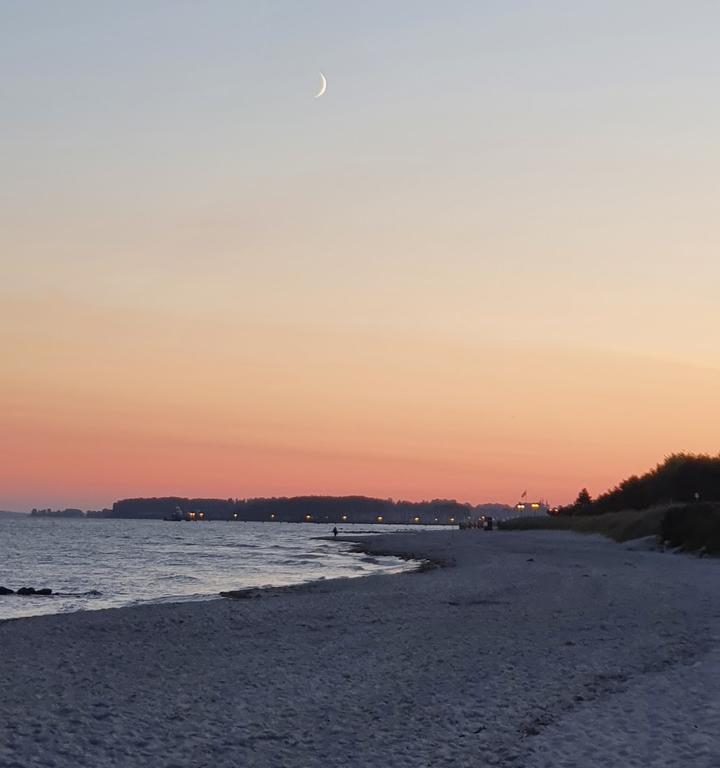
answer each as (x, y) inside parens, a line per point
(379, 518)
(344, 518)
(235, 515)
(416, 519)
(452, 519)
(308, 518)
(535, 505)
(272, 515)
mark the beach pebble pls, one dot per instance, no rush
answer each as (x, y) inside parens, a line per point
(239, 594)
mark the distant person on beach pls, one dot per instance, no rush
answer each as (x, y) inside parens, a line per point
(335, 532)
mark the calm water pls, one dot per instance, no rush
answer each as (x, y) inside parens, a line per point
(110, 563)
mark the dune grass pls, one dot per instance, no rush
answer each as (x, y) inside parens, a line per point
(689, 526)
(620, 526)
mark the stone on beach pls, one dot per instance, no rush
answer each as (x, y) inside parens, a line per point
(240, 594)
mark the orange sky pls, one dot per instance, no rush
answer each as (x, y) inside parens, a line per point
(110, 405)
(483, 262)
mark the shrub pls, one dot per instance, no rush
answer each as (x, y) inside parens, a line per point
(693, 527)
(680, 479)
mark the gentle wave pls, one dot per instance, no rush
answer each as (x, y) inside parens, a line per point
(114, 563)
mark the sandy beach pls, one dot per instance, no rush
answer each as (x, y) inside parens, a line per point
(527, 649)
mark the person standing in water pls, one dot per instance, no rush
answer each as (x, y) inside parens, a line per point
(335, 532)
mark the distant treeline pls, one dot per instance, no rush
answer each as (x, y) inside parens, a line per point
(297, 509)
(57, 513)
(681, 478)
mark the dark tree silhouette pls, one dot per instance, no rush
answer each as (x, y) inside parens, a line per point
(681, 478)
(583, 498)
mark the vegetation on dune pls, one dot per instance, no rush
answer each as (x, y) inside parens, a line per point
(621, 526)
(681, 478)
(691, 527)
(678, 501)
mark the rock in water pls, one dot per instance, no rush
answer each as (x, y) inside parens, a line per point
(6, 591)
(26, 591)
(44, 591)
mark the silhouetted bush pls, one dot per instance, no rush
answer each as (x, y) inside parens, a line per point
(693, 527)
(681, 478)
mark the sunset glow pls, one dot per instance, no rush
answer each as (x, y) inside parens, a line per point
(461, 273)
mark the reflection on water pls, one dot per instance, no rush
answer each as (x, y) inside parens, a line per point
(111, 563)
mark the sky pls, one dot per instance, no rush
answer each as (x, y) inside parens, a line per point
(483, 262)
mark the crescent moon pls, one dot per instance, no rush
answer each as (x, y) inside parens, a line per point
(323, 86)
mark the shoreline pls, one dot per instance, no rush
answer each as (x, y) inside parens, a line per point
(520, 640)
(375, 546)
(361, 545)
(344, 561)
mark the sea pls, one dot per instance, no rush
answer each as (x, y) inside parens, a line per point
(93, 563)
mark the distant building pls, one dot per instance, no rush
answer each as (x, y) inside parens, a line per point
(525, 508)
